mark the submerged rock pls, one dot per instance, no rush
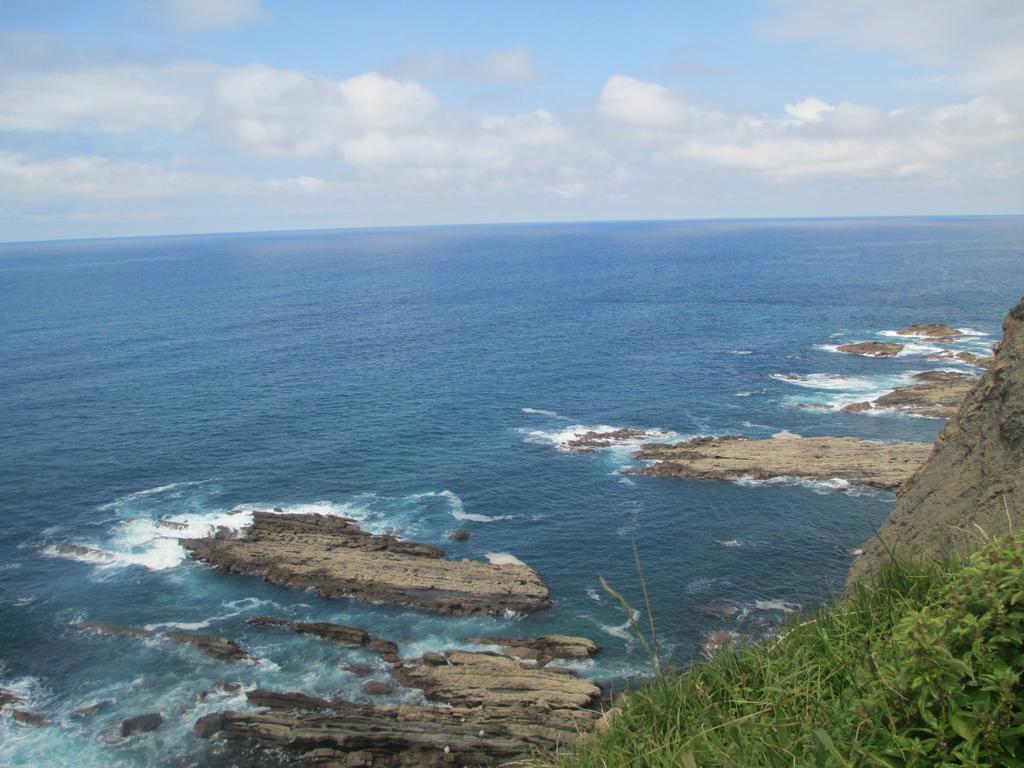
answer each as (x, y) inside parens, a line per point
(9, 697)
(141, 724)
(29, 718)
(872, 348)
(733, 457)
(216, 647)
(377, 688)
(337, 633)
(335, 558)
(459, 534)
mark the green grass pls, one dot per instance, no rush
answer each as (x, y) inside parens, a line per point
(920, 667)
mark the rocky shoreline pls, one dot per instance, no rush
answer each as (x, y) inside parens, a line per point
(334, 557)
(485, 709)
(935, 395)
(735, 457)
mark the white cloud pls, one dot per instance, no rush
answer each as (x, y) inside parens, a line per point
(809, 110)
(212, 14)
(635, 102)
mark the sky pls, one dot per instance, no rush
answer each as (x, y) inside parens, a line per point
(180, 116)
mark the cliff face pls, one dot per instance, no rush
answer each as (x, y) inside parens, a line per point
(975, 474)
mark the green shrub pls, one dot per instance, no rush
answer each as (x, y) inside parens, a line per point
(920, 667)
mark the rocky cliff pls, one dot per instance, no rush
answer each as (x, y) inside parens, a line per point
(972, 485)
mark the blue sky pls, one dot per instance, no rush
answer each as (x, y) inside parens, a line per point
(172, 116)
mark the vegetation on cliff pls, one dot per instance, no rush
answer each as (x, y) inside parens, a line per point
(919, 666)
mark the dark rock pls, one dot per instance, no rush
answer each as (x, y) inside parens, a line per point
(377, 688)
(459, 534)
(92, 708)
(434, 659)
(218, 648)
(590, 441)
(9, 697)
(336, 633)
(103, 628)
(77, 550)
(29, 718)
(387, 649)
(718, 610)
(207, 725)
(174, 526)
(872, 348)
(141, 724)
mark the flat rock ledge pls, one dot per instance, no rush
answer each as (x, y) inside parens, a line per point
(335, 558)
(872, 348)
(734, 457)
(494, 710)
(544, 648)
(930, 331)
(936, 395)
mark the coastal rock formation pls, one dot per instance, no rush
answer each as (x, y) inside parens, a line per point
(335, 558)
(495, 710)
(336, 633)
(872, 348)
(141, 724)
(975, 475)
(937, 395)
(218, 648)
(962, 357)
(544, 648)
(733, 457)
(591, 441)
(495, 681)
(930, 331)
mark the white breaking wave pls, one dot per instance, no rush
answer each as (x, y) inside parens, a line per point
(560, 438)
(777, 605)
(844, 389)
(622, 631)
(741, 351)
(971, 332)
(502, 558)
(543, 412)
(732, 543)
(821, 487)
(458, 510)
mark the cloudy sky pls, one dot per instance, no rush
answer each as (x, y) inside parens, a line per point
(174, 116)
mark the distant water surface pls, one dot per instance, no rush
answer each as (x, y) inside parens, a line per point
(422, 380)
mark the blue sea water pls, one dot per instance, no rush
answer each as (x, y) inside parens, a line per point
(423, 380)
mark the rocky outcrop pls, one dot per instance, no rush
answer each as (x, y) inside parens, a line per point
(733, 457)
(937, 395)
(930, 331)
(588, 442)
(962, 357)
(974, 478)
(872, 348)
(544, 648)
(495, 709)
(218, 648)
(333, 557)
(141, 724)
(336, 633)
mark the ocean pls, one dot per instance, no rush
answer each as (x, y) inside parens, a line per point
(422, 380)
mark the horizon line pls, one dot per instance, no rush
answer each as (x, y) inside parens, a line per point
(542, 222)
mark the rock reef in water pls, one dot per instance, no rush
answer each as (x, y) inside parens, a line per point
(872, 348)
(336, 633)
(494, 709)
(588, 442)
(335, 558)
(544, 648)
(936, 395)
(734, 457)
(975, 476)
(216, 647)
(930, 331)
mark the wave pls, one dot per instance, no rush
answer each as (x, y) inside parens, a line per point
(741, 352)
(458, 509)
(821, 487)
(543, 412)
(840, 390)
(561, 439)
(733, 543)
(622, 631)
(502, 558)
